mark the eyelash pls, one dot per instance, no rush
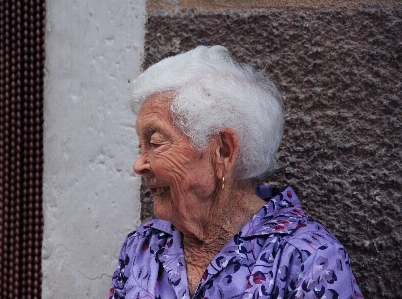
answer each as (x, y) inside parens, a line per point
(152, 144)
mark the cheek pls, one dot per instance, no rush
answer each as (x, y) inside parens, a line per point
(204, 178)
(172, 164)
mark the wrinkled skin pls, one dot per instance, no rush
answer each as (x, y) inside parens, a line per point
(167, 158)
(186, 184)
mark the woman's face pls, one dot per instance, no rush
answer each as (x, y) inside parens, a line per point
(182, 180)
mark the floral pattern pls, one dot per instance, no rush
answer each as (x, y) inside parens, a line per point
(280, 253)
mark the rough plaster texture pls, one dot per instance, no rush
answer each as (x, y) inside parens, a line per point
(339, 71)
(93, 48)
(173, 6)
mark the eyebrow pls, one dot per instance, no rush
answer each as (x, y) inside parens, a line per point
(148, 131)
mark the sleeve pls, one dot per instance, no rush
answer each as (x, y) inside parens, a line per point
(119, 277)
(322, 272)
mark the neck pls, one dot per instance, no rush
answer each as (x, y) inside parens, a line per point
(228, 212)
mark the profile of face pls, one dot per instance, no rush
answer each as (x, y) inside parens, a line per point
(182, 179)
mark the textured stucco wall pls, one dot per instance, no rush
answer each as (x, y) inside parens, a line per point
(174, 6)
(93, 48)
(339, 71)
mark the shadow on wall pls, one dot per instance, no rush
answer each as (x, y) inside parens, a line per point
(339, 71)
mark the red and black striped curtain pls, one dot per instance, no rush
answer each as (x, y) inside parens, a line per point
(21, 162)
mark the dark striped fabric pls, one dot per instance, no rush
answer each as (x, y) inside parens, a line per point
(21, 162)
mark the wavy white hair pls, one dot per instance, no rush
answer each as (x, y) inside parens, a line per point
(212, 92)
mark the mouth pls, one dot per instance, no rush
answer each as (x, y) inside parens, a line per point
(159, 190)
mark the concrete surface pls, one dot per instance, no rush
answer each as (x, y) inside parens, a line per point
(90, 195)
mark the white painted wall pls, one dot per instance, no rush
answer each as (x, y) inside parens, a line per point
(91, 196)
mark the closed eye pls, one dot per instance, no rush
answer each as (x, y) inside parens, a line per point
(154, 145)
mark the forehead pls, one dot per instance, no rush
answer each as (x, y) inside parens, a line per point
(155, 111)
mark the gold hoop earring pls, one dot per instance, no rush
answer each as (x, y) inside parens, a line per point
(223, 182)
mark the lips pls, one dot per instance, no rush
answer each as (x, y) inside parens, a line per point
(159, 190)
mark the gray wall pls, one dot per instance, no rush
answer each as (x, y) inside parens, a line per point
(339, 71)
(90, 194)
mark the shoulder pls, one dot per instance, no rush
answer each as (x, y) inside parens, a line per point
(140, 246)
(137, 255)
(315, 263)
(148, 233)
(311, 234)
(312, 241)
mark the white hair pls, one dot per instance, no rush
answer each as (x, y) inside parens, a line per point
(212, 92)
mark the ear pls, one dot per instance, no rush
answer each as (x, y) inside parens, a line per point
(226, 152)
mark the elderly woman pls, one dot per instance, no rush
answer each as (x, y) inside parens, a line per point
(208, 132)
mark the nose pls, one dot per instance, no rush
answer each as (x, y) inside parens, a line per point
(141, 165)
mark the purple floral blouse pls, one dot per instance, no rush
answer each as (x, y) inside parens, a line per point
(279, 253)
